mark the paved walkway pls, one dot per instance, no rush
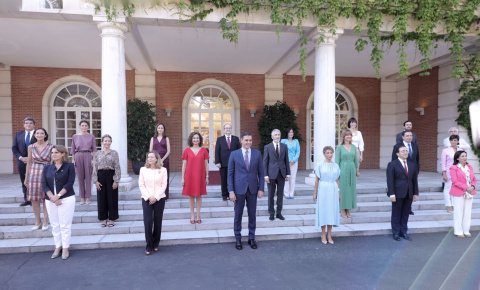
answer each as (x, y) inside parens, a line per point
(429, 261)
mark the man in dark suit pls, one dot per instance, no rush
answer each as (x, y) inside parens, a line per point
(407, 126)
(412, 148)
(225, 145)
(277, 171)
(402, 189)
(20, 149)
(245, 183)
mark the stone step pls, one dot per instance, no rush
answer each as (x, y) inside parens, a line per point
(223, 211)
(210, 202)
(219, 236)
(213, 191)
(125, 227)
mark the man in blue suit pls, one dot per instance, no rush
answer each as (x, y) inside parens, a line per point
(402, 189)
(20, 149)
(245, 183)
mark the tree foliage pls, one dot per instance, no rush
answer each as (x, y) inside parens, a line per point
(470, 91)
(278, 116)
(140, 128)
(454, 18)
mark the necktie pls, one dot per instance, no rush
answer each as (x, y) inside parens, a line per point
(276, 150)
(409, 150)
(246, 159)
(405, 165)
(228, 142)
(27, 141)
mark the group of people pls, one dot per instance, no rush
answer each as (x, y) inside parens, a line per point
(402, 181)
(48, 177)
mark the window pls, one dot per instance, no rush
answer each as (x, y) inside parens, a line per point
(72, 103)
(54, 4)
(209, 109)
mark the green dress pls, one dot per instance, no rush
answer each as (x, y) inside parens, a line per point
(348, 163)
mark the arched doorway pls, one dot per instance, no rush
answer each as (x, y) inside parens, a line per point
(345, 107)
(209, 107)
(71, 103)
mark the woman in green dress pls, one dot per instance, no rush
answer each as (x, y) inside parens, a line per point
(346, 158)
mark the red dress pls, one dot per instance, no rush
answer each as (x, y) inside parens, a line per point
(195, 172)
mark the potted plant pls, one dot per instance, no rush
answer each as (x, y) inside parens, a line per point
(140, 129)
(277, 116)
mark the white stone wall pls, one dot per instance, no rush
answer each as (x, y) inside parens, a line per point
(6, 165)
(447, 113)
(273, 89)
(145, 87)
(393, 112)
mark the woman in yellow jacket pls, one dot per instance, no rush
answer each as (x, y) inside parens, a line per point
(153, 183)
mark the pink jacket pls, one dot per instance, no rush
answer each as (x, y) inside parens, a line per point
(153, 182)
(459, 180)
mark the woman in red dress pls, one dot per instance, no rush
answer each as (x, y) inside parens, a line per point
(195, 173)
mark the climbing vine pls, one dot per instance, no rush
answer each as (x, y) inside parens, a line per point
(470, 92)
(423, 22)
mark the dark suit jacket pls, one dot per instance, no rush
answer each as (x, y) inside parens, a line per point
(274, 164)
(398, 183)
(64, 178)
(400, 139)
(239, 178)
(222, 153)
(415, 155)
(19, 148)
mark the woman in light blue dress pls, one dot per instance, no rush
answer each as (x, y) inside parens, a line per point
(327, 195)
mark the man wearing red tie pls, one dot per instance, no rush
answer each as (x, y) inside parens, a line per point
(225, 145)
(402, 189)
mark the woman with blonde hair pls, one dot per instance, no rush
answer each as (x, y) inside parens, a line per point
(57, 184)
(152, 182)
(346, 158)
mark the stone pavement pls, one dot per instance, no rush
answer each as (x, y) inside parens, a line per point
(371, 217)
(429, 261)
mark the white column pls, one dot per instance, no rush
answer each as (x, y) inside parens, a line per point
(324, 92)
(6, 161)
(114, 100)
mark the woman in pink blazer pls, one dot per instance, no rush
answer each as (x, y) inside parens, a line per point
(462, 191)
(153, 183)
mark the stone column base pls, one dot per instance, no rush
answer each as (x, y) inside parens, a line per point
(310, 180)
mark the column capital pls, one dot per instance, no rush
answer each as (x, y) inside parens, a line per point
(108, 28)
(328, 37)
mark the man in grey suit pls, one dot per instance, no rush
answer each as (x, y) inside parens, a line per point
(277, 171)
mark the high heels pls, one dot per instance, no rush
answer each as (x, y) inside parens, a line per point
(54, 256)
(45, 227)
(324, 240)
(192, 222)
(156, 250)
(199, 221)
(330, 241)
(36, 227)
(148, 253)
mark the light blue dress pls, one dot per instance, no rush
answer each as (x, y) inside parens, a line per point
(328, 208)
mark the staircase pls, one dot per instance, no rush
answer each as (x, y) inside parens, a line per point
(372, 217)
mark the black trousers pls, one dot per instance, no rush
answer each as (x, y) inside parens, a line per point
(400, 213)
(22, 169)
(152, 219)
(107, 197)
(277, 184)
(251, 200)
(223, 177)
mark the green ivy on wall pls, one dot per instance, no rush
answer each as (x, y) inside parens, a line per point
(455, 18)
(470, 90)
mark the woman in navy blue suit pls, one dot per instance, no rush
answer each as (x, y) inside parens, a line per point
(57, 183)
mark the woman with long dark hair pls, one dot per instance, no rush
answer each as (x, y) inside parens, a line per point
(161, 144)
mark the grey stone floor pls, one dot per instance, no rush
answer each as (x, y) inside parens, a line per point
(429, 261)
